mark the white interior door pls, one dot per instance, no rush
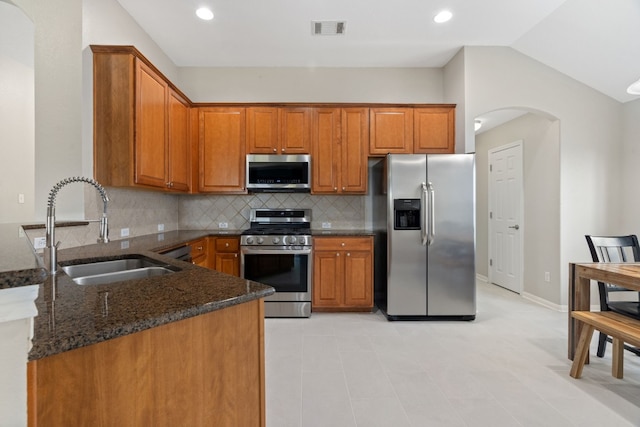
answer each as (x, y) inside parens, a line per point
(505, 216)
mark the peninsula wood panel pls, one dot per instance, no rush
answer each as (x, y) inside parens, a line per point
(202, 371)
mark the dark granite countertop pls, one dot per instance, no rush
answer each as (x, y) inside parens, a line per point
(72, 316)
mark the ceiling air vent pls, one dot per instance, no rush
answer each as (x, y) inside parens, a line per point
(328, 28)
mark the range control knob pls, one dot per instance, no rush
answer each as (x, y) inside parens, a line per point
(250, 240)
(260, 240)
(303, 240)
(291, 240)
(276, 240)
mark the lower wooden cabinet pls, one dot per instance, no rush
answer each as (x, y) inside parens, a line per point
(199, 252)
(342, 274)
(227, 255)
(206, 370)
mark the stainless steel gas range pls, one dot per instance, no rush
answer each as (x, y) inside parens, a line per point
(276, 251)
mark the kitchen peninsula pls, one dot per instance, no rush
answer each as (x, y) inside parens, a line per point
(185, 348)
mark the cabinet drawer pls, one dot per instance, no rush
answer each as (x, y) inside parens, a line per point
(342, 243)
(198, 248)
(227, 244)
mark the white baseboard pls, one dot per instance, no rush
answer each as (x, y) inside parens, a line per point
(481, 278)
(546, 303)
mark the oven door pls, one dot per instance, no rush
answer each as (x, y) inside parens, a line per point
(286, 270)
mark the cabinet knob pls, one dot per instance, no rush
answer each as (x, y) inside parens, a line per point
(275, 150)
(348, 253)
(199, 248)
(168, 184)
(226, 245)
(343, 188)
(235, 255)
(335, 188)
(342, 244)
(283, 150)
(337, 253)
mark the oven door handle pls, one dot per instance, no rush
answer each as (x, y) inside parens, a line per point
(251, 251)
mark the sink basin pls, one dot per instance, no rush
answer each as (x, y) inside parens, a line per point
(117, 270)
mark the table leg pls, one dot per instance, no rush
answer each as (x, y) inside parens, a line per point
(579, 300)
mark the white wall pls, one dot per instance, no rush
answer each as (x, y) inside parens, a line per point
(541, 185)
(17, 165)
(630, 223)
(391, 85)
(590, 139)
(454, 83)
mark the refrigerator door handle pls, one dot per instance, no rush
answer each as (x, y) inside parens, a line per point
(431, 235)
(424, 220)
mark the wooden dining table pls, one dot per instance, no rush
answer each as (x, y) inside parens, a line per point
(580, 275)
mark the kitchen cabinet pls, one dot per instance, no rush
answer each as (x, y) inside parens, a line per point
(199, 253)
(342, 274)
(391, 131)
(141, 124)
(227, 255)
(278, 130)
(222, 150)
(206, 370)
(434, 130)
(339, 150)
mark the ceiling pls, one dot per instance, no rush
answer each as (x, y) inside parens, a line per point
(596, 42)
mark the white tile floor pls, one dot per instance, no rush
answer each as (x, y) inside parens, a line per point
(506, 368)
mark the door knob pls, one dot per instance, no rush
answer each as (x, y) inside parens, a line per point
(516, 227)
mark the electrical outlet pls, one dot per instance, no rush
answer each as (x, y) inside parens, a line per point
(547, 276)
(20, 198)
(326, 225)
(124, 232)
(124, 244)
(223, 225)
(39, 242)
(160, 237)
(160, 227)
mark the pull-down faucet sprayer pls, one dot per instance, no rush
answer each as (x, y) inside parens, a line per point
(51, 250)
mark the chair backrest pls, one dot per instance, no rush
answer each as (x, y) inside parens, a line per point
(612, 249)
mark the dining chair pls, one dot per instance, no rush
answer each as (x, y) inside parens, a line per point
(615, 249)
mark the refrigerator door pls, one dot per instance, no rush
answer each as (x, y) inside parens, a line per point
(406, 256)
(451, 252)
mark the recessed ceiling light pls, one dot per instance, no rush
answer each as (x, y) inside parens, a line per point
(205, 13)
(443, 16)
(634, 88)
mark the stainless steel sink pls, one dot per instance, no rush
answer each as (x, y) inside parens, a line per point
(109, 271)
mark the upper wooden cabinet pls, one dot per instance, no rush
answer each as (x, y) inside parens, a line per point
(391, 131)
(434, 130)
(141, 124)
(339, 150)
(278, 130)
(222, 149)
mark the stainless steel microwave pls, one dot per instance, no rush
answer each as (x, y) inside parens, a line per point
(284, 173)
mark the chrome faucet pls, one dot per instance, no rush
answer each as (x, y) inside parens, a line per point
(51, 250)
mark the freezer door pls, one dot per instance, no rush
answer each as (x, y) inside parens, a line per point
(451, 253)
(406, 263)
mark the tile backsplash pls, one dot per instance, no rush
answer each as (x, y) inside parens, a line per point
(142, 211)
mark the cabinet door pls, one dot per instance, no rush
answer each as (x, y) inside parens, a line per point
(295, 133)
(358, 279)
(222, 150)
(328, 288)
(228, 263)
(325, 150)
(151, 127)
(391, 131)
(434, 130)
(178, 170)
(262, 130)
(354, 138)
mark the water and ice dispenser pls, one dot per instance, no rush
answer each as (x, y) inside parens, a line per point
(406, 214)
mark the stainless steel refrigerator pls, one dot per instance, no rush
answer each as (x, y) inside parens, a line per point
(424, 209)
